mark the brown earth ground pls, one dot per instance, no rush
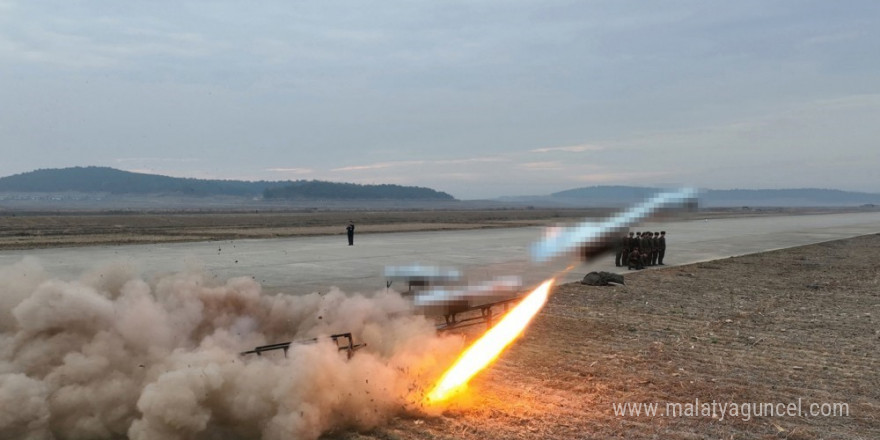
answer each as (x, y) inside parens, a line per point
(774, 327)
(22, 230)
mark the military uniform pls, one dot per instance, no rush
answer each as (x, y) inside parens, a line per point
(635, 259)
(661, 246)
(655, 249)
(634, 241)
(646, 246)
(628, 244)
(620, 251)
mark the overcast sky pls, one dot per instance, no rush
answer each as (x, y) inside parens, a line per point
(478, 99)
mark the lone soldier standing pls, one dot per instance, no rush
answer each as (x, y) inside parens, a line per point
(661, 243)
(350, 230)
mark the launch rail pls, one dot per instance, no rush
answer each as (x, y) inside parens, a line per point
(487, 315)
(344, 342)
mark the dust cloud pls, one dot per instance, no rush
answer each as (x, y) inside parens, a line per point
(114, 355)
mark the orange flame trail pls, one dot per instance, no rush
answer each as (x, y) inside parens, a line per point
(490, 345)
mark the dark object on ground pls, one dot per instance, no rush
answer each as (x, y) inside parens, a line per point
(346, 345)
(602, 279)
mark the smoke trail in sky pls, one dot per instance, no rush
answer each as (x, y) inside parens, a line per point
(114, 355)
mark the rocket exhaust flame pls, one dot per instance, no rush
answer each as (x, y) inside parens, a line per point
(485, 350)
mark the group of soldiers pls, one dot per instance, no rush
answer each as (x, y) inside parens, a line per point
(640, 249)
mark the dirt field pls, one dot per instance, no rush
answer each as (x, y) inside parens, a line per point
(780, 327)
(44, 230)
(773, 328)
(40, 230)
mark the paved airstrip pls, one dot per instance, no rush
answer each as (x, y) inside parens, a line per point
(309, 264)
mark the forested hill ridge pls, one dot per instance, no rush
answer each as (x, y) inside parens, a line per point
(327, 190)
(113, 181)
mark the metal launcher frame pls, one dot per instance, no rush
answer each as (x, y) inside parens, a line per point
(347, 345)
(486, 315)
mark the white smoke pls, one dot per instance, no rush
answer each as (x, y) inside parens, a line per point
(112, 355)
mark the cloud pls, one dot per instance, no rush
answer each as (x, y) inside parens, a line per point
(88, 42)
(291, 170)
(832, 37)
(381, 165)
(157, 159)
(470, 160)
(548, 165)
(142, 171)
(55, 48)
(569, 149)
(620, 177)
(422, 163)
(422, 93)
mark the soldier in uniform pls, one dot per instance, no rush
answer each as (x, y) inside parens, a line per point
(635, 259)
(620, 250)
(634, 241)
(629, 248)
(350, 231)
(646, 247)
(655, 248)
(661, 245)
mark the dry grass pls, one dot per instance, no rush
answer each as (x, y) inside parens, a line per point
(773, 327)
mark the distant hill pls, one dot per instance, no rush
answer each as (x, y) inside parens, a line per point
(789, 197)
(112, 181)
(622, 195)
(607, 195)
(352, 191)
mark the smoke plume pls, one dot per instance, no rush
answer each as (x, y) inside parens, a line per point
(113, 355)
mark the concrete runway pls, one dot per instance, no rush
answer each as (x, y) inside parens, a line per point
(308, 264)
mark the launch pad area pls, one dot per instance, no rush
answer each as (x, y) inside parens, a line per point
(779, 326)
(313, 264)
